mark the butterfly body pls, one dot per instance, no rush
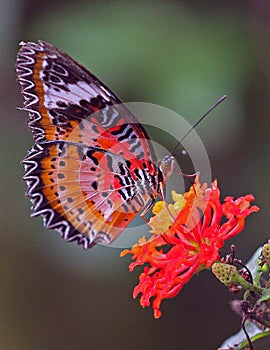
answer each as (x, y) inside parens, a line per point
(92, 168)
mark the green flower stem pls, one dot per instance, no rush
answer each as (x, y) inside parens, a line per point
(249, 286)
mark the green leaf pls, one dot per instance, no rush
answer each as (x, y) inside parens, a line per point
(265, 295)
(257, 279)
(253, 263)
(240, 340)
(240, 337)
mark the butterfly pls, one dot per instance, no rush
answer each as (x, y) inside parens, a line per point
(92, 167)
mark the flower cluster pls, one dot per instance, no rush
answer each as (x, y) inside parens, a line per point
(187, 236)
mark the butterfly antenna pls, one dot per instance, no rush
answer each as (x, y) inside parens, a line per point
(198, 122)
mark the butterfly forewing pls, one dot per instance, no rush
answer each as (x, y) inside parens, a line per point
(92, 167)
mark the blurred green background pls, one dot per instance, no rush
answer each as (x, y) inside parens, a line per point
(179, 54)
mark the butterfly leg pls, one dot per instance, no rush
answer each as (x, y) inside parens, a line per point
(162, 194)
(189, 176)
(146, 210)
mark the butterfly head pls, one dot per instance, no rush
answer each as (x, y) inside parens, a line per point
(166, 166)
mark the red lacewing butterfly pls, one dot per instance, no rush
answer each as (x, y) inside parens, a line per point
(92, 167)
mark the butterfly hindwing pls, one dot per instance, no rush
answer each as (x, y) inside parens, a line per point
(84, 194)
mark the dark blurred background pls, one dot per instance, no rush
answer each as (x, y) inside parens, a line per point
(179, 54)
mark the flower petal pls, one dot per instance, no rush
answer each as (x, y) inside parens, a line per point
(187, 245)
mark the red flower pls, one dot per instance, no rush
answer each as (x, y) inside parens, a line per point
(186, 244)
